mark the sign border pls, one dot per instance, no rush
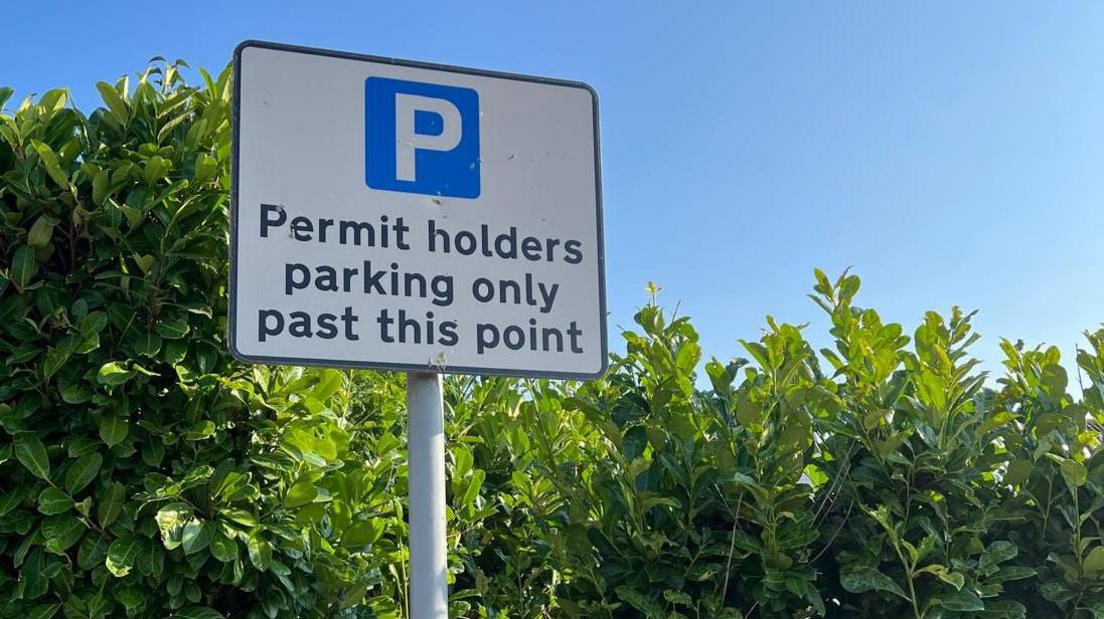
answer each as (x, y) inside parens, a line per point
(407, 367)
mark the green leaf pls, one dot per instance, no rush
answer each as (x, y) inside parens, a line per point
(196, 536)
(121, 556)
(643, 604)
(31, 453)
(167, 129)
(53, 501)
(76, 393)
(44, 611)
(1074, 473)
(362, 533)
(55, 359)
(1000, 551)
(112, 374)
(205, 168)
(11, 499)
(1055, 379)
(93, 550)
(301, 493)
(101, 185)
(1018, 472)
(50, 162)
(200, 430)
(240, 516)
(82, 472)
(260, 551)
(24, 267)
(115, 103)
(131, 597)
(223, 548)
(171, 520)
(53, 100)
(93, 323)
(861, 580)
(41, 231)
(84, 506)
(147, 343)
(198, 612)
(111, 504)
(474, 485)
(954, 579)
(1056, 591)
(151, 562)
(113, 429)
(1096, 607)
(1012, 572)
(173, 330)
(61, 532)
(330, 381)
(961, 601)
(153, 451)
(747, 411)
(145, 262)
(156, 168)
(34, 582)
(1094, 561)
(678, 597)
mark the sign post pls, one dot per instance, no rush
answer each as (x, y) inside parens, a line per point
(426, 489)
(404, 216)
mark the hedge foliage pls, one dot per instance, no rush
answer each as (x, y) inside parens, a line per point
(145, 473)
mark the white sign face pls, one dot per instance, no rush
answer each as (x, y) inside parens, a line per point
(397, 215)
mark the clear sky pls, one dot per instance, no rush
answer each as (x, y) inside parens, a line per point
(952, 153)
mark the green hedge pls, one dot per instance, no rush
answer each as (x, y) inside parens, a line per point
(145, 473)
(142, 470)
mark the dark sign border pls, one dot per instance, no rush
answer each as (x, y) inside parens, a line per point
(406, 367)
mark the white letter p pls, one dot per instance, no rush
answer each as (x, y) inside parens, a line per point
(408, 142)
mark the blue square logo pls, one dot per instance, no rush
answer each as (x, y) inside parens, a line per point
(421, 138)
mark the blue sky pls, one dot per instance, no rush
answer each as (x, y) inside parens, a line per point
(951, 153)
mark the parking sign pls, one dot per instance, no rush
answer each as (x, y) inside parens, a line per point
(400, 215)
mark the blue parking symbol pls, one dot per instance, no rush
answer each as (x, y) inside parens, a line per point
(421, 138)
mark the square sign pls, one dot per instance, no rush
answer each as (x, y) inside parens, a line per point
(399, 215)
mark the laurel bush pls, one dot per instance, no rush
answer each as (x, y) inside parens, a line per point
(143, 472)
(146, 473)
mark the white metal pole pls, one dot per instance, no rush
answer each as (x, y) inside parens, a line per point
(426, 487)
